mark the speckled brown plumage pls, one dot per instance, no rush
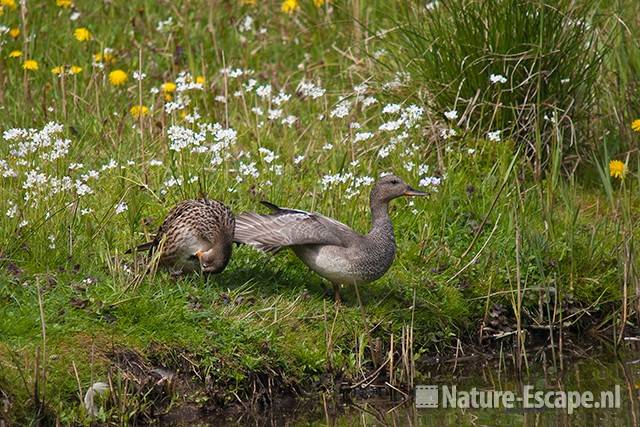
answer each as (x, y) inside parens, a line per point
(197, 235)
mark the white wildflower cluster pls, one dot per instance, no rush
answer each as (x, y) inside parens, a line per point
(234, 73)
(451, 115)
(139, 76)
(184, 83)
(246, 25)
(165, 26)
(497, 78)
(341, 110)
(310, 90)
(355, 183)
(409, 117)
(362, 136)
(494, 136)
(30, 153)
(23, 142)
(209, 138)
(392, 144)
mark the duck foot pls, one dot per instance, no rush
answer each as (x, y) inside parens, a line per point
(336, 294)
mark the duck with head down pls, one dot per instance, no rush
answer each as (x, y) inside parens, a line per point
(196, 236)
(326, 246)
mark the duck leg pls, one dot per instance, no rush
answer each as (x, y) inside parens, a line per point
(336, 293)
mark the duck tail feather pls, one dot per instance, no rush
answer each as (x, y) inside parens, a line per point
(270, 205)
(141, 247)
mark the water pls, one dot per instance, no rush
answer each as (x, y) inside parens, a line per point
(593, 374)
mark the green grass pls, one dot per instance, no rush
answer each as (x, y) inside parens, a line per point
(266, 317)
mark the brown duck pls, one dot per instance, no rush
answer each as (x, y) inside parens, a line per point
(197, 235)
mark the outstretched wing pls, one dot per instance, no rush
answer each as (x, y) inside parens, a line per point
(288, 227)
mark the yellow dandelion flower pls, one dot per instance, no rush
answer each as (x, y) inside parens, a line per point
(635, 125)
(30, 65)
(14, 32)
(15, 54)
(617, 169)
(9, 3)
(75, 69)
(138, 111)
(168, 87)
(82, 34)
(289, 6)
(64, 3)
(200, 80)
(58, 70)
(118, 77)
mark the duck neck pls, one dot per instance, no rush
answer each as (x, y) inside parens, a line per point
(380, 221)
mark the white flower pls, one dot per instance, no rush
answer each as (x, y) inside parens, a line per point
(430, 181)
(248, 169)
(274, 114)
(139, 76)
(494, 136)
(12, 211)
(281, 98)
(289, 120)
(341, 110)
(267, 155)
(308, 89)
(250, 84)
(391, 125)
(448, 133)
(391, 108)
(368, 101)
(497, 78)
(431, 5)
(121, 207)
(298, 159)
(360, 89)
(86, 211)
(264, 91)
(362, 136)
(246, 24)
(164, 26)
(451, 114)
(327, 146)
(82, 189)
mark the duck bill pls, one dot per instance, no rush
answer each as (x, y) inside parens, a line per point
(413, 192)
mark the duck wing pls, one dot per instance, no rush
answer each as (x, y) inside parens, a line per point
(290, 227)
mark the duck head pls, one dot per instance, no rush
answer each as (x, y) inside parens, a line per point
(390, 187)
(215, 259)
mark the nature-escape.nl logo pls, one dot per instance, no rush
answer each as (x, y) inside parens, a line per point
(444, 396)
